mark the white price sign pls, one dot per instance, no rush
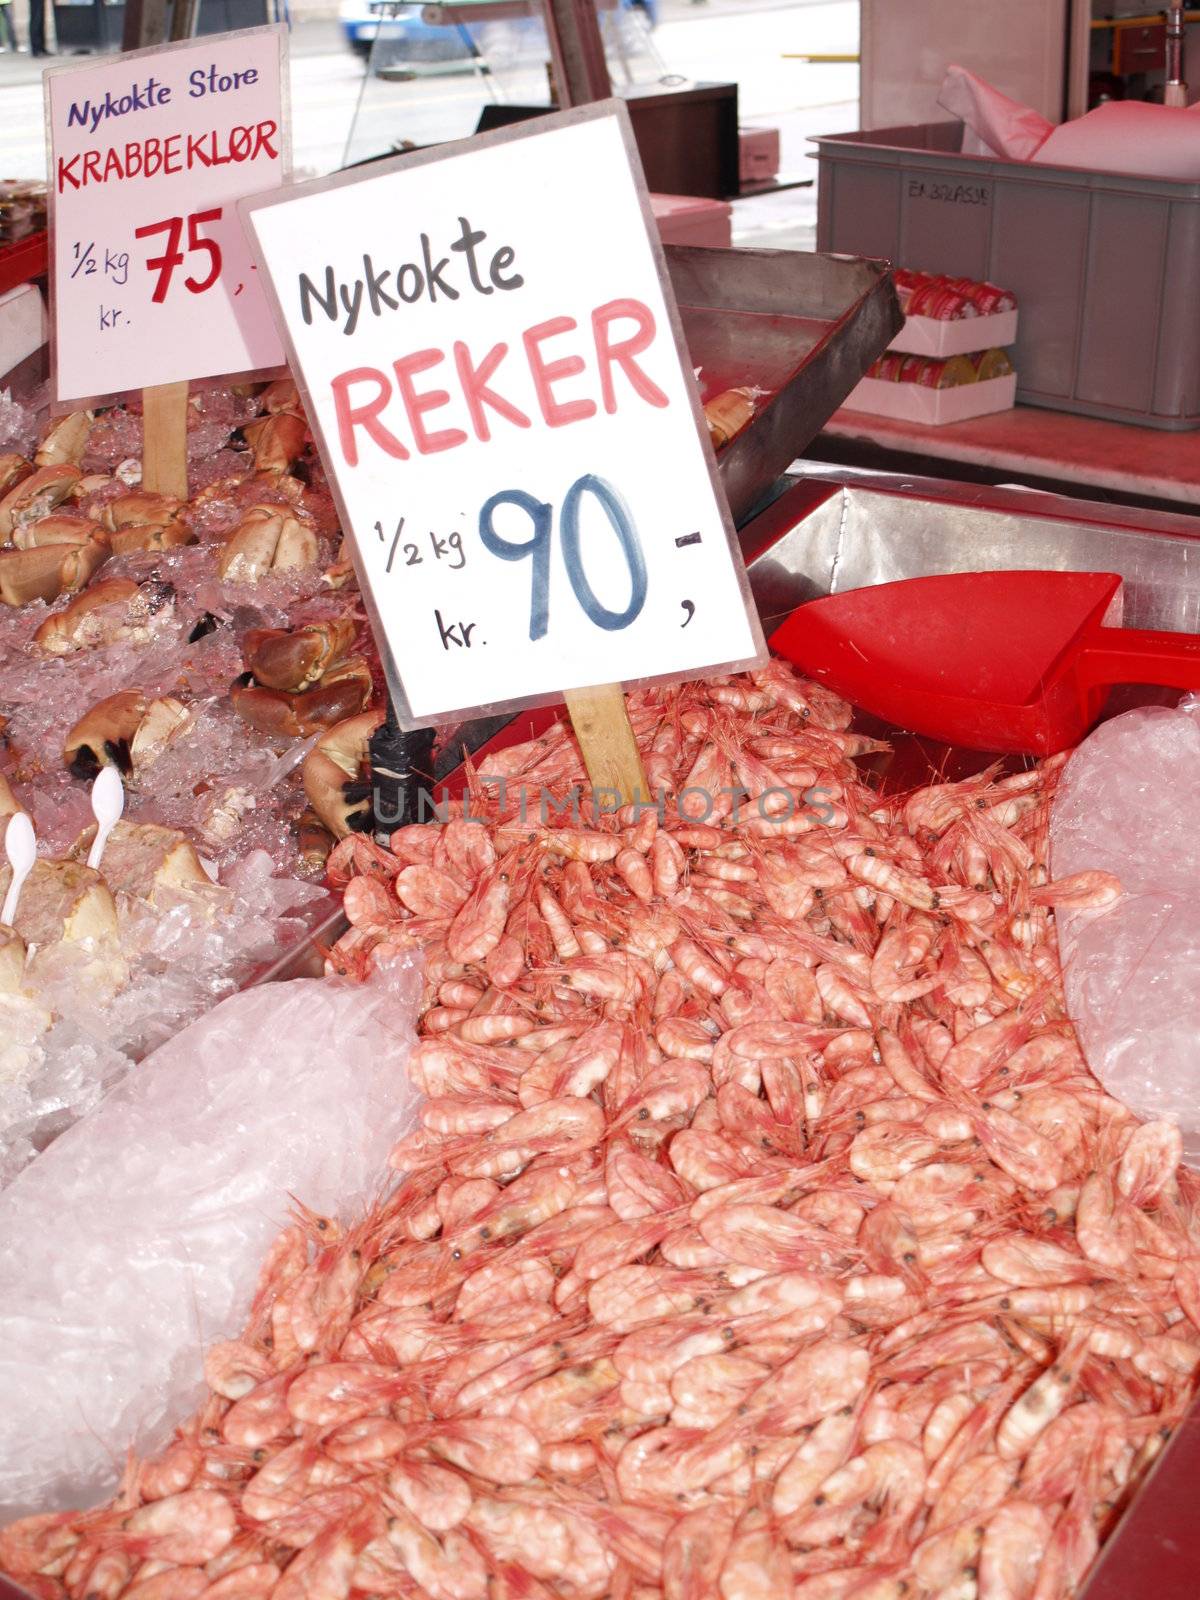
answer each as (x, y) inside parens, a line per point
(153, 282)
(491, 358)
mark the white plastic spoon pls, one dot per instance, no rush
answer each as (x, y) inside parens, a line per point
(20, 846)
(108, 802)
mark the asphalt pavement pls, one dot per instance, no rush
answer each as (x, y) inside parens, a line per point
(342, 112)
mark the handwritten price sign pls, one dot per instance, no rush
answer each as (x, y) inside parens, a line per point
(153, 281)
(493, 363)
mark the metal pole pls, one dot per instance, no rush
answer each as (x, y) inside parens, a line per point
(1175, 90)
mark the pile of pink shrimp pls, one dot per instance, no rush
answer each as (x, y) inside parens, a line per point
(763, 1236)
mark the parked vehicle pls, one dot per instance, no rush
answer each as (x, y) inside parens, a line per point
(408, 40)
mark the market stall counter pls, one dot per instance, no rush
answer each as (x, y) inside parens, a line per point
(1078, 454)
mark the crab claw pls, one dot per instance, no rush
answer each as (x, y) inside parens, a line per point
(101, 610)
(61, 527)
(314, 841)
(49, 570)
(9, 804)
(12, 961)
(337, 763)
(90, 483)
(276, 440)
(282, 658)
(344, 690)
(140, 508)
(341, 572)
(33, 496)
(13, 470)
(282, 395)
(164, 721)
(268, 538)
(66, 441)
(104, 736)
(151, 536)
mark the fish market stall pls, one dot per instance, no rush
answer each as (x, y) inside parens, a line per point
(705, 1193)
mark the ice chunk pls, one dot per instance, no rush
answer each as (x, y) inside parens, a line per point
(134, 1241)
(21, 422)
(1128, 805)
(177, 957)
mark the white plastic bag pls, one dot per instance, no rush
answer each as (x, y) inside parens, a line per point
(1129, 804)
(135, 1240)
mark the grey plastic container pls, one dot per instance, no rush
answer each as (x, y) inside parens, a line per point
(1106, 267)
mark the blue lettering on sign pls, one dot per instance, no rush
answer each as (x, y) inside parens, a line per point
(209, 80)
(141, 97)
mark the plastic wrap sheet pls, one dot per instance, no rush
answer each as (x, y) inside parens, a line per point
(1129, 804)
(1133, 136)
(993, 124)
(135, 1241)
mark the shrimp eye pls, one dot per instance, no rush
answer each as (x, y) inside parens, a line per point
(485, 1233)
(258, 1455)
(818, 1499)
(456, 1255)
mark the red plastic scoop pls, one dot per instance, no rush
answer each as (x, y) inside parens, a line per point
(1004, 661)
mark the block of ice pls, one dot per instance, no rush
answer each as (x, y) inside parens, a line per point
(1129, 805)
(134, 1241)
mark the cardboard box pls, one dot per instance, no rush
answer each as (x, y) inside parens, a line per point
(758, 154)
(913, 402)
(966, 336)
(688, 219)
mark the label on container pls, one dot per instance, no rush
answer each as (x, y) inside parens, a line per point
(492, 362)
(149, 153)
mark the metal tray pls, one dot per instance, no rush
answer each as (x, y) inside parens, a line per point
(838, 530)
(804, 327)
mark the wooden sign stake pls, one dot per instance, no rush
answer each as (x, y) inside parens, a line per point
(164, 439)
(600, 718)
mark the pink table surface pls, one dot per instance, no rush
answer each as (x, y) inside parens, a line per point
(1047, 444)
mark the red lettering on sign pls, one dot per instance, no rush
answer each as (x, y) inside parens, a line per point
(474, 380)
(612, 352)
(547, 373)
(417, 405)
(364, 415)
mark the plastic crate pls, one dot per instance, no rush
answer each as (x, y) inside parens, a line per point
(1103, 265)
